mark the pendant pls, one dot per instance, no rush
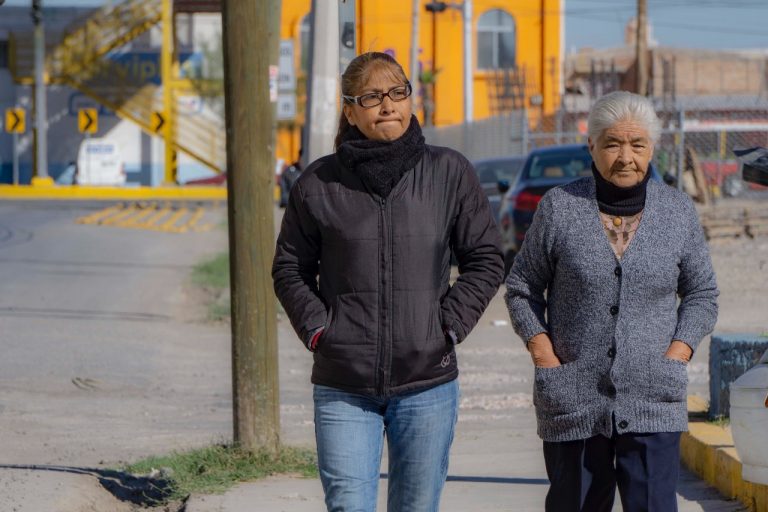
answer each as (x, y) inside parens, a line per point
(617, 221)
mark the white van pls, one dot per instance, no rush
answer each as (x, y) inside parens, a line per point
(99, 162)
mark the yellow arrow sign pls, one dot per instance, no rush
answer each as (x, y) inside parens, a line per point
(15, 120)
(88, 120)
(157, 122)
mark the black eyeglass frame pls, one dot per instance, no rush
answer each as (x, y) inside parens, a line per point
(380, 95)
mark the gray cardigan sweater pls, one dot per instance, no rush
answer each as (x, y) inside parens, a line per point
(611, 320)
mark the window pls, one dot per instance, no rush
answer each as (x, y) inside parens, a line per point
(495, 40)
(571, 164)
(306, 25)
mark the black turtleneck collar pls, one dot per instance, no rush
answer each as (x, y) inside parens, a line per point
(620, 201)
(379, 164)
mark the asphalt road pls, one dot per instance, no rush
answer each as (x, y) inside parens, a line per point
(101, 351)
(105, 356)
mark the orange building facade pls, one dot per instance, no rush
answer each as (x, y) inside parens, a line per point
(516, 61)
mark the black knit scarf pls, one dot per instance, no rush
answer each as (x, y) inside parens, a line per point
(613, 200)
(380, 165)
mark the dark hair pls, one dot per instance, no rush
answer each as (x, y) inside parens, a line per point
(357, 74)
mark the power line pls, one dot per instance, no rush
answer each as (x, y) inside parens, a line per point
(708, 28)
(690, 3)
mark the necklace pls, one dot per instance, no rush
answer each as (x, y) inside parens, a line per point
(612, 222)
(620, 230)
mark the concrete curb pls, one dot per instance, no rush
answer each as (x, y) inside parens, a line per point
(79, 193)
(708, 451)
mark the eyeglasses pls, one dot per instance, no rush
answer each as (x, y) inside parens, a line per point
(373, 99)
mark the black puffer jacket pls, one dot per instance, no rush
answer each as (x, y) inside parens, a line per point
(384, 297)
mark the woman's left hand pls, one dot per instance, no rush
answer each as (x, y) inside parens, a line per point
(679, 351)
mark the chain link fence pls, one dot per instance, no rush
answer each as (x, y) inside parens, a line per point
(696, 146)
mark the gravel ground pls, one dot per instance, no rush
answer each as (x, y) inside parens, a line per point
(105, 359)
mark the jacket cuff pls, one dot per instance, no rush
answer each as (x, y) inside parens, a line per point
(690, 337)
(312, 338)
(527, 318)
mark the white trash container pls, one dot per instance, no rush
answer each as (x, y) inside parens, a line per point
(749, 421)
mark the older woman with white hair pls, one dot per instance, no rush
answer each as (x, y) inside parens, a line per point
(594, 295)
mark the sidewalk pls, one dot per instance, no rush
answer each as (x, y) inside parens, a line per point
(709, 452)
(159, 380)
(496, 462)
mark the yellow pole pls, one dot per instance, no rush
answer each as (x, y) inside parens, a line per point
(166, 70)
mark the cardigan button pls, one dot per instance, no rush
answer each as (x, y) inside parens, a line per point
(617, 271)
(611, 352)
(623, 424)
(614, 310)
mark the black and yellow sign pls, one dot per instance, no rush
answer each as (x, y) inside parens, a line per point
(15, 120)
(158, 121)
(88, 120)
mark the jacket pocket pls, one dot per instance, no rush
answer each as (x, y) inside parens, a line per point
(347, 324)
(328, 322)
(557, 390)
(669, 380)
(435, 331)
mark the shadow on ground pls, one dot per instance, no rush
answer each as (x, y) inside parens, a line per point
(143, 491)
(489, 479)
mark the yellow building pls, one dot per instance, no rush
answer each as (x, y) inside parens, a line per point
(516, 62)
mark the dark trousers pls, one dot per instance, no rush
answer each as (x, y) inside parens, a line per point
(584, 474)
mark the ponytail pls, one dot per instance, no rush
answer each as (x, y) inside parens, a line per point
(344, 127)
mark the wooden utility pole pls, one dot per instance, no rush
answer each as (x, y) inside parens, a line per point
(641, 48)
(251, 32)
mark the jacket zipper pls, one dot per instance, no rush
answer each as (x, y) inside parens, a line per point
(381, 372)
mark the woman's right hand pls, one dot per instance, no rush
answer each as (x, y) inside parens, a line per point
(542, 352)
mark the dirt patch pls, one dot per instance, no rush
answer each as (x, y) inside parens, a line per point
(38, 488)
(198, 302)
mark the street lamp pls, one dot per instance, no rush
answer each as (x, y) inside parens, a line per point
(41, 112)
(434, 8)
(466, 11)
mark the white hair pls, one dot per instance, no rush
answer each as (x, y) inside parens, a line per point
(621, 106)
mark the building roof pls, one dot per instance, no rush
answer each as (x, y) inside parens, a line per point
(623, 57)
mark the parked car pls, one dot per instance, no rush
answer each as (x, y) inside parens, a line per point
(99, 162)
(544, 169)
(496, 174)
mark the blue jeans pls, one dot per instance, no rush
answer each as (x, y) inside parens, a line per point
(350, 430)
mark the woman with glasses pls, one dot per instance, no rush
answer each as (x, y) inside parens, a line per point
(376, 222)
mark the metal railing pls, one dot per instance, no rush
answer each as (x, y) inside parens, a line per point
(82, 61)
(701, 132)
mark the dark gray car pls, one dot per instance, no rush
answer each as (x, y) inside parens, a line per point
(496, 171)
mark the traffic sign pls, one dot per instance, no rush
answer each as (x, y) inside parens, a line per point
(88, 120)
(15, 120)
(286, 80)
(286, 106)
(157, 122)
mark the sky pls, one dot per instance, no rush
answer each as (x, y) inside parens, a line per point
(713, 24)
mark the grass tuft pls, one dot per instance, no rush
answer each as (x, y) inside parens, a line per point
(214, 469)
(213, 273)
(213, 276)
